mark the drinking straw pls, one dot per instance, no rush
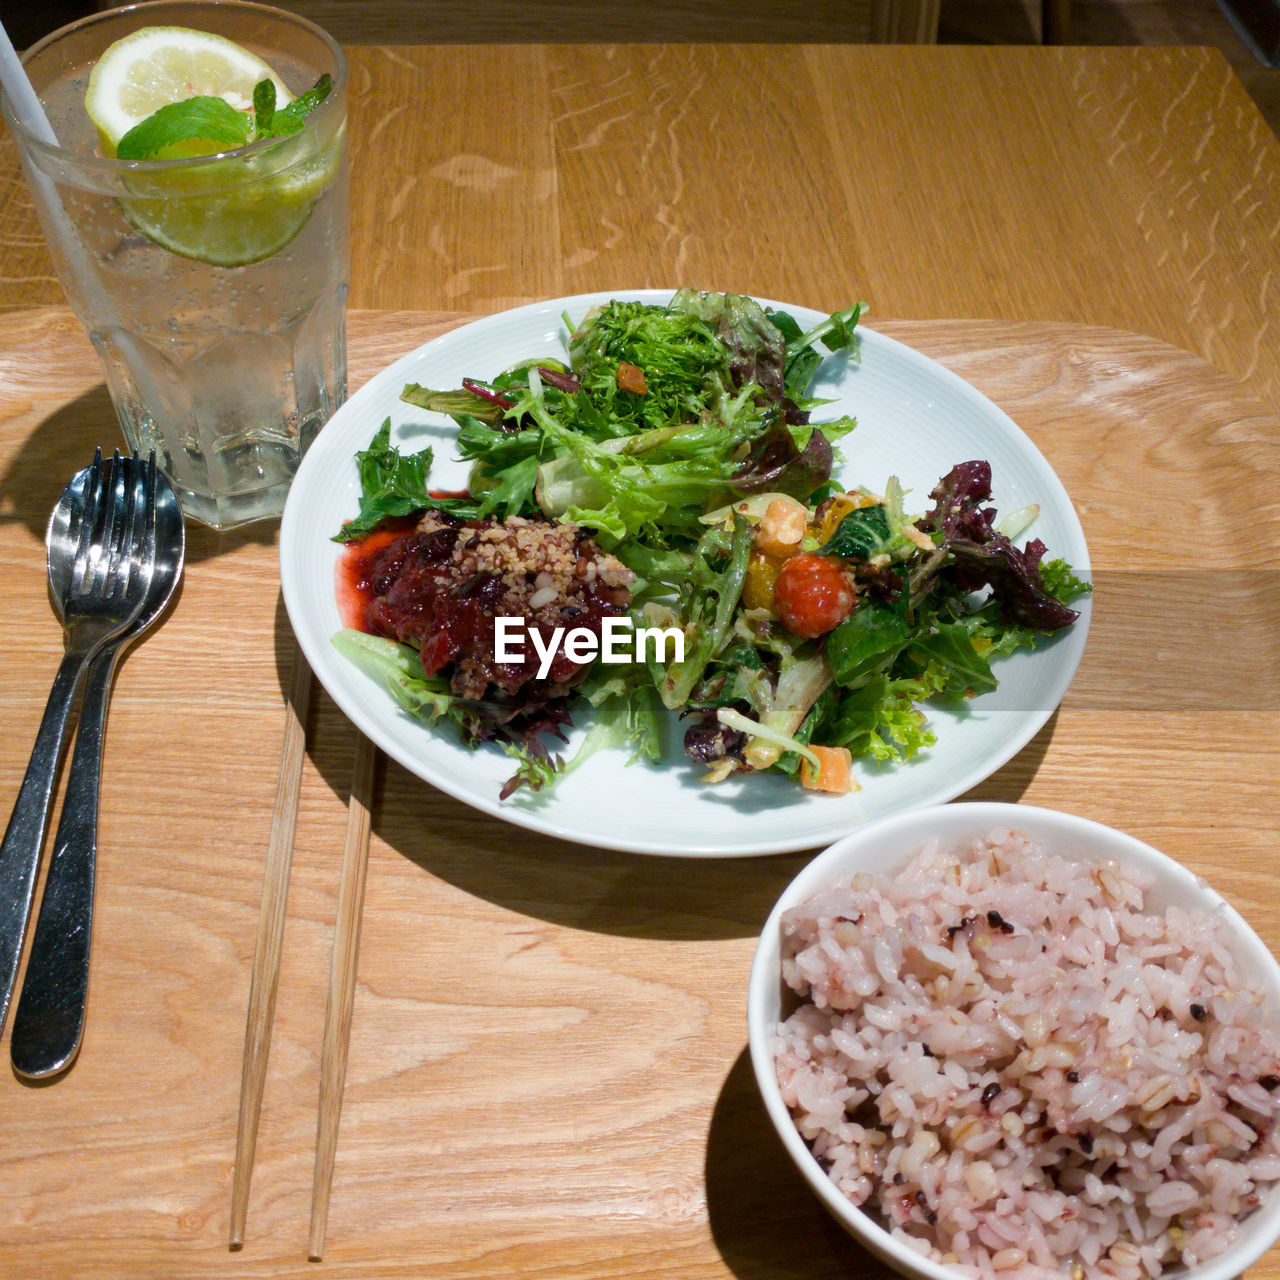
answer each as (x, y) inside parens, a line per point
(30, 113)
(22, 96)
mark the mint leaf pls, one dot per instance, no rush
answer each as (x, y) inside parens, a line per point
(209, 119)
(205, 118)
(289, 118)
(264, 107)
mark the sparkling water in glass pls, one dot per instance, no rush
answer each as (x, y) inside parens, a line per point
(213, 290)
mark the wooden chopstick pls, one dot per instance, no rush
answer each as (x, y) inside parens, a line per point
(342, 987)
(267, 947)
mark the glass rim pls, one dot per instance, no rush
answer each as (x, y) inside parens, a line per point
(110, 164)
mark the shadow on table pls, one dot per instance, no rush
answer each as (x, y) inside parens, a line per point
(51, 454)
(577, 886)
(631, 895)
(64, 442)
(765, 1220)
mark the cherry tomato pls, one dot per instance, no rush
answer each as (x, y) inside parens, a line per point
(812, 594)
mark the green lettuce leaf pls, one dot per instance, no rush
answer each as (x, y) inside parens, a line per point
(398, 669)
(391, 484)
(707, 610)
(803, 359)
(880, 719)
(950, 652)
(868, 641)
(679, 354)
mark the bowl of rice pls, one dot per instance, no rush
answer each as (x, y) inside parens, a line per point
(1003, 1041)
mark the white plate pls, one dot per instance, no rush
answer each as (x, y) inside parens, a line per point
(915, 420)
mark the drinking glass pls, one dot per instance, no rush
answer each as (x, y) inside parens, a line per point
(214, 288)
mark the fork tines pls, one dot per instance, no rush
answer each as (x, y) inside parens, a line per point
(148, 482)
(91, 516)
(118, 524)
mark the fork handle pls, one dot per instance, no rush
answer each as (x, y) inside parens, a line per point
(24, 837)
(49, 1020)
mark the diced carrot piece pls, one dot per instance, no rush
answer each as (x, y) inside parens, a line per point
(836, 774)
(631, 378)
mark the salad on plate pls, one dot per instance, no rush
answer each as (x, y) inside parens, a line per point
(673, 479)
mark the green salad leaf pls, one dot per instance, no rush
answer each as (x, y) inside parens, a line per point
(391, 484)
(862, 535)
(882, 719)
(868, 641)
(674, 435)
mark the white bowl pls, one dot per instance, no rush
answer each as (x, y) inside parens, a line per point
(886, 845)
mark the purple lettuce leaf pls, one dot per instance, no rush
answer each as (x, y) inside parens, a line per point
(979, 556)
(776, 462)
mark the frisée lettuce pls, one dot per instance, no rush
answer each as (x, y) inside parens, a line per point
(818, 621)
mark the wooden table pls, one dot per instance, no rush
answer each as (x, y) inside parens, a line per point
(548, 1073)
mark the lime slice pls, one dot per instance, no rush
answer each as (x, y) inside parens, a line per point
(155, 66)
(231, 211)
(243, 223)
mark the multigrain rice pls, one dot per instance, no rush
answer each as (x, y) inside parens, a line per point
(1022, 1071)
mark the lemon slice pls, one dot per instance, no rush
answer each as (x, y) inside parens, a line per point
(155, 66)
(229, 212)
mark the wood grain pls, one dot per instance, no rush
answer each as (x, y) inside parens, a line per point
(265, 980)
(342, 987)
(560, 21)
(1136, 189)
(547, 1073)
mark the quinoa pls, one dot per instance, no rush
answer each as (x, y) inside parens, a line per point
(442, 587)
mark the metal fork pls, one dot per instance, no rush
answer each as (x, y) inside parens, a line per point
(104, 526)
(49, 1018)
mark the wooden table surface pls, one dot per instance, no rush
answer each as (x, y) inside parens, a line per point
(548, 1072)
(1137, 189)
